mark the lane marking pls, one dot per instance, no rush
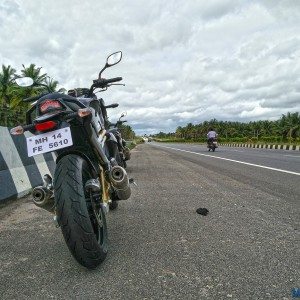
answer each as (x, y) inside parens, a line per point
(228, 148)
(236, 161)
(237, 150)
(292, 155)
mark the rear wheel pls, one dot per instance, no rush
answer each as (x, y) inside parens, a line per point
(83, 228)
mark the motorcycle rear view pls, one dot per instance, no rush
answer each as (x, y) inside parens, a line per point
(87, 178)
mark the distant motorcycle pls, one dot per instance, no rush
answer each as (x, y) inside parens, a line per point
(87, 179)
(212, 144)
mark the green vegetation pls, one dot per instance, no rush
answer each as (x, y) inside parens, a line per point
(285, 130)
(12, 108)
(127, 132)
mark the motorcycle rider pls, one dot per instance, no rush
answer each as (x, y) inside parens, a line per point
(211, 135)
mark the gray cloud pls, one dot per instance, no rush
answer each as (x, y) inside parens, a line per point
(183, 61)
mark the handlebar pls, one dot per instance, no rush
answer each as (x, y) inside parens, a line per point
(119, 123)
(102, 83)
(113, 105)
(116, 79)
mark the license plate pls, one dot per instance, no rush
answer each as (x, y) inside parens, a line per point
(49, 141)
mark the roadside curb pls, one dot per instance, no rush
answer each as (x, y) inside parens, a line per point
(18, 172)
(264, 146)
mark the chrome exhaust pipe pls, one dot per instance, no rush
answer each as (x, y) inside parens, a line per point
(43, 195)
(120, 182)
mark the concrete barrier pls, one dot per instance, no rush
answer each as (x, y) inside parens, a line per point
(264, 146)
(18, 172)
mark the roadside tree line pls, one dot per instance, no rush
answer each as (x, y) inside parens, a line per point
(284, 130)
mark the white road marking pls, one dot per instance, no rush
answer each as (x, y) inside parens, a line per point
(236, 150)
(292, 155)
(236, 161)
(228, 148)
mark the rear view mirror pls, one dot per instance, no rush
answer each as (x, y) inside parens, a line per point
(24, 81)
(123, 115)
(114, 58)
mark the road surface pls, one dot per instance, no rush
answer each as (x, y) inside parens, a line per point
(247, 247)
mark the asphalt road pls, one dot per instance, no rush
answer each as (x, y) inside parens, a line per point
(247, 247)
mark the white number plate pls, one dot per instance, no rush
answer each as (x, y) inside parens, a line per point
(49, 141)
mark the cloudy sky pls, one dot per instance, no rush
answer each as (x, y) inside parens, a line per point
(183, 61)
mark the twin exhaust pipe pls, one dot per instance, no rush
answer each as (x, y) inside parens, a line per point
(43, 196)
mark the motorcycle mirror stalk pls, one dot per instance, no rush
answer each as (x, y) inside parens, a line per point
(112, 60)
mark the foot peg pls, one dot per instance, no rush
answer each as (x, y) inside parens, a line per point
(93, 185)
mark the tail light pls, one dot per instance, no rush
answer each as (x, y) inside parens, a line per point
(45, 125)
(49, 105)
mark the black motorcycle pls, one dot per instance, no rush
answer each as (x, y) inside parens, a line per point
(87, 177)
(124, 151)
(212, 144)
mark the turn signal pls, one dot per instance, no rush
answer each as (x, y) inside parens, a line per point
(17, 130)
(45, 125)
(83, 112)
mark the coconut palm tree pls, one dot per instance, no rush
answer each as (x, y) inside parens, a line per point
(35, 73)
(6, 82)
(52, 85)
(290, 125)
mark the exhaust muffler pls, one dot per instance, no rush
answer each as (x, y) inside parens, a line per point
(43, 196)
(120, 182)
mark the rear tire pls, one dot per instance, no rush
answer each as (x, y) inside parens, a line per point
(85, 237)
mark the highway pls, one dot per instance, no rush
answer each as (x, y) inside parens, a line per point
(247, 247)
(274, 171)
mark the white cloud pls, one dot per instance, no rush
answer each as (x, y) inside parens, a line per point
(184, 61)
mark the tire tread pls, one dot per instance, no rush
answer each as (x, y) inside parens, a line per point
(72, 211)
